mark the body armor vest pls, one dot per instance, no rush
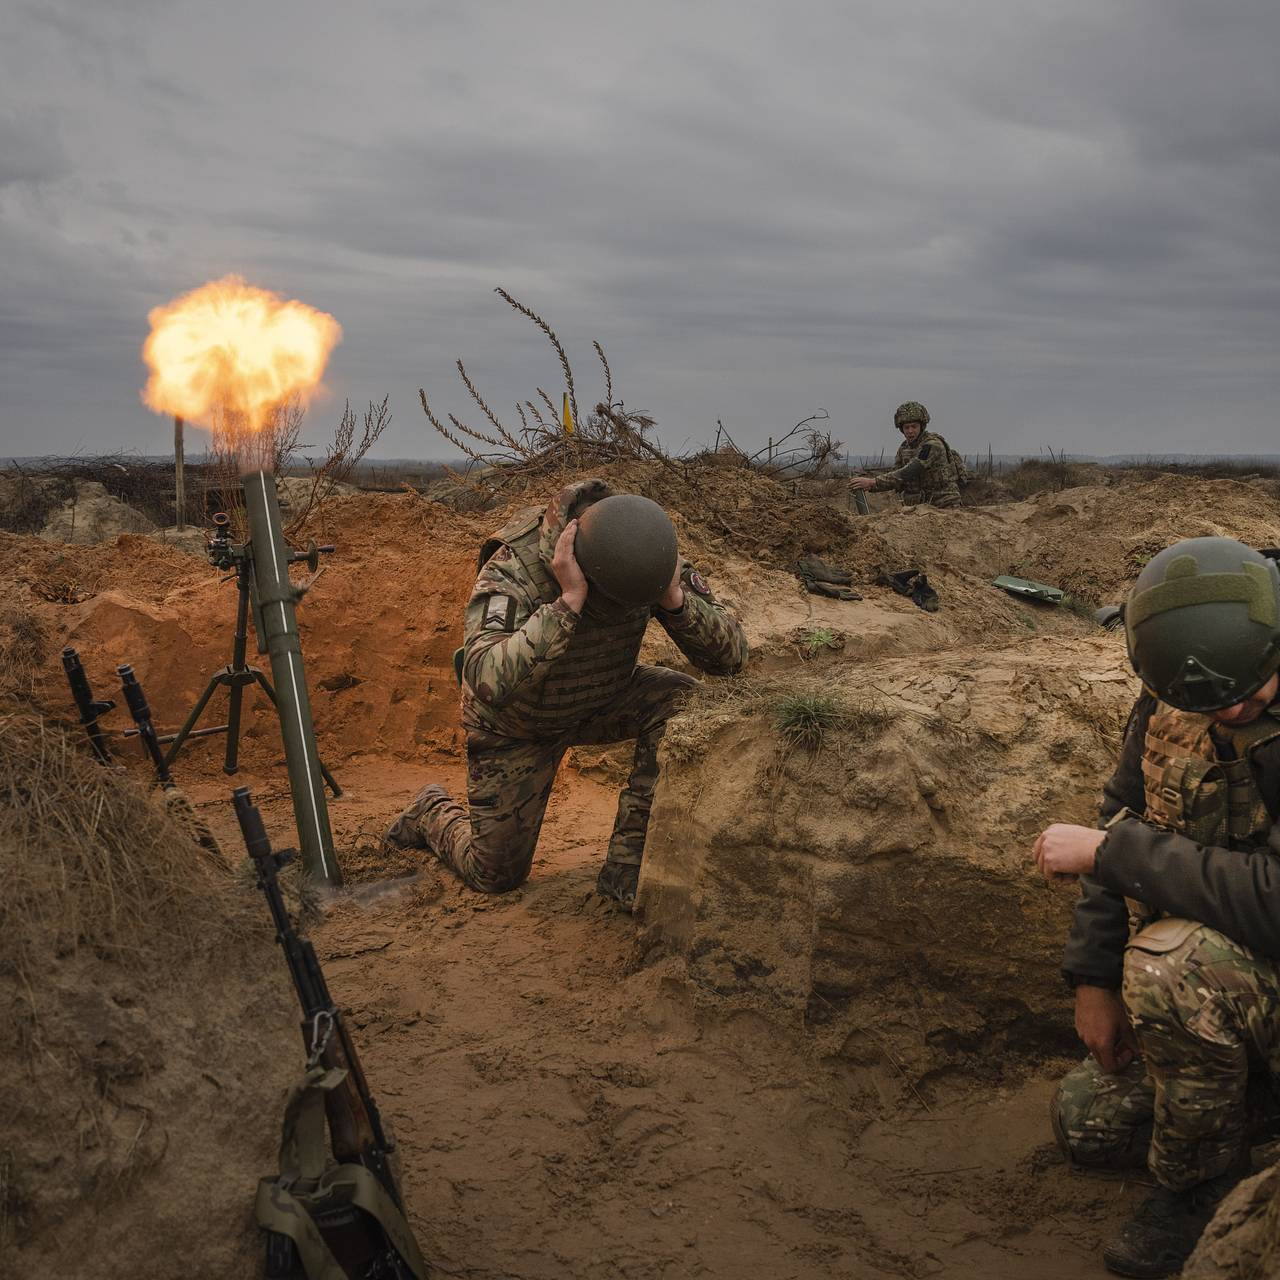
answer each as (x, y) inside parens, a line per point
(1190, 790)
(602, 653)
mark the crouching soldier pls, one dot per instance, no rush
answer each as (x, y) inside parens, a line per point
(1175, 947)
(926, 469)
(548, 661)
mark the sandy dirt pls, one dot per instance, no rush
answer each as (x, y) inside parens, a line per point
(566, 1104)
(570, 1096)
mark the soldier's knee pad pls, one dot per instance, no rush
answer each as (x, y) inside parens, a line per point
(1100, 1121)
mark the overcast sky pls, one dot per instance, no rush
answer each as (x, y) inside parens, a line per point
(1056, 222)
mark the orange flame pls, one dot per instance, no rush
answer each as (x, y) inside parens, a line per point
(229, 350)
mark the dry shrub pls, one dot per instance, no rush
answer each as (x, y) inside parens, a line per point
(88, 860)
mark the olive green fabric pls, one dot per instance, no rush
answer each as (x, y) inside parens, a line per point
(626, 547)
(1203, 623)
(310, 1184)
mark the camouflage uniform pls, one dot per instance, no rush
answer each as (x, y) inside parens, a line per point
(538, 679)
(1199, 973)
(926, 472)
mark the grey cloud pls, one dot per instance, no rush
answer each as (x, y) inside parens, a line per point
(1053, 223)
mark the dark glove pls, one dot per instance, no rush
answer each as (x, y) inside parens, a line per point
(914, 585)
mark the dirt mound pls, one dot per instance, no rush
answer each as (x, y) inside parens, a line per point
(1243, 1240)
(1094, 541)
(877, 889)
(150, 1034)
(93, 515)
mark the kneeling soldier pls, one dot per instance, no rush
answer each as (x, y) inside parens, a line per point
(550, 640)
(1175, 948)
(926, 469)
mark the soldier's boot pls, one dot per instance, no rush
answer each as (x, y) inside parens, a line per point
(1161, 1235)
(618, 880)
(406, 831)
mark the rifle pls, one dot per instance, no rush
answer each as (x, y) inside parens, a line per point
(90, 708)
(319, 1214)
(175, 800)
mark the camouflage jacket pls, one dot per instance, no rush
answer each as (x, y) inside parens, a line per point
(1235, 891)
(927, 471)
(532, 668)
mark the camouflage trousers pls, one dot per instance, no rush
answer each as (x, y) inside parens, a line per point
(942, 500)
(1206, 1012)
(509, 781)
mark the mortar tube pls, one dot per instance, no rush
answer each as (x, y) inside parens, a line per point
(277, 597)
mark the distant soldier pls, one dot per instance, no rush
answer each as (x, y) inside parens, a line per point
(1175, 949)
(926, 469)
(550, 641)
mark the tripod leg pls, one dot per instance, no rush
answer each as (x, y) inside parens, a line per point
(324, 769)
(230, 762)
(182, 733)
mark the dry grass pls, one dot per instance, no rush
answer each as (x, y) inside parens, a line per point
(24, 645)
(88, 860)
(803, 710)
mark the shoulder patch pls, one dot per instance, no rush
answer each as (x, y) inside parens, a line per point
(498, 613)
(925, 450)
(698, 583)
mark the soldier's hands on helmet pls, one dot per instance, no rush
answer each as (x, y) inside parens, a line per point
(673, 598)
(568, 573)
(862, 482)
(1064, 851)
(1103, 1024)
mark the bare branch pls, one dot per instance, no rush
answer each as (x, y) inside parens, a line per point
(555, 342)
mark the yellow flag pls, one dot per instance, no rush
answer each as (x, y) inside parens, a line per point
(565, 416)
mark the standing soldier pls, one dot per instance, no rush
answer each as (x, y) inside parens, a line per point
(1175, 948)
(548, 661)
(926, 469)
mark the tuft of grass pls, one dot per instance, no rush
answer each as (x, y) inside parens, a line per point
(1081, 606)
(804, 719)
(814, 640)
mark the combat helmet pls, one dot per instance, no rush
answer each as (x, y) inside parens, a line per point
(1203, 623)
(912, 411)
(626, 546)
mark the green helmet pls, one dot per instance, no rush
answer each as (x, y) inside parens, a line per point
(626, 545)
(912, 411)
(1203, 623)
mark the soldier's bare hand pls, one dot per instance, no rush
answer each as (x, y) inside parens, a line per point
(862, 482)
(1065, 851)
(1103, 1024)
(673, 598)
(567, 570)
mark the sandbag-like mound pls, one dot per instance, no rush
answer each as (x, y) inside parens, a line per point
(150, 1030)
(852, 844)
(1243, 1240)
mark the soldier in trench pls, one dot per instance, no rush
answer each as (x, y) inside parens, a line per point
(926, 469)
(550, 640)
(1174, 951)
